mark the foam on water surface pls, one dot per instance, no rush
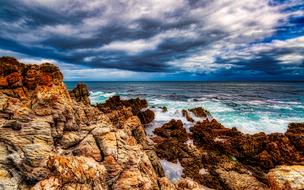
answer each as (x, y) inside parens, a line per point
(172, 171)
(250, 107)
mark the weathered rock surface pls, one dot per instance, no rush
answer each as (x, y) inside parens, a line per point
(286, 177)
(204, 164)
(146, 116)
(222, 158)
(200, 112)
(187, 116)
(136, 106)
(53, 139)
(81, 94)
(259, 150)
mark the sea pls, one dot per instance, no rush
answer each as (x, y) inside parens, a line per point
(251, 107)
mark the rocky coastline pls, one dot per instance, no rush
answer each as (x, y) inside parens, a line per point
(52, 138)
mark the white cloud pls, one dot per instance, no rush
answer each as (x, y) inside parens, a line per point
(292, 58)
(132, 47)
(228, 26)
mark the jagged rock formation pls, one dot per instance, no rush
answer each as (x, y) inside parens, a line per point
(53, 139)
(187, 116)
(136, 107)
(81, 94)
(200, 112)
(223, 158)
(259, 150)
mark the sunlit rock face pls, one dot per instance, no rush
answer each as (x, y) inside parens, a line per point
(53, 139)
(286, 177)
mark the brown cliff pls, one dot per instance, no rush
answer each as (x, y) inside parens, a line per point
(53, 139)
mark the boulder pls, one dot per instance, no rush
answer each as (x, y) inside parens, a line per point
(200, 112)
(286, 177)
(172, 130)
(146, 116)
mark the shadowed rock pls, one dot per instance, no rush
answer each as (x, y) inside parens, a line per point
(136, 107)
(258, 150)
(187, 116)
(81, 93)
(200, 112)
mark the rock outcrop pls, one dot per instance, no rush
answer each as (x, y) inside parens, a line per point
(200, 112)
(53, 139)
(286, 177)
(136, 106)
(81, 94)
(259, 150)
(186, 114)
(223, 158)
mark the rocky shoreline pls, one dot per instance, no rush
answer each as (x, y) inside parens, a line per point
(52, 138)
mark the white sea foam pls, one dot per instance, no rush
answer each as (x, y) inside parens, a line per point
(100, 97)
(172, 171)
(250, 116)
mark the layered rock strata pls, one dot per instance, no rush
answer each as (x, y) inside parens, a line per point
(54, 139)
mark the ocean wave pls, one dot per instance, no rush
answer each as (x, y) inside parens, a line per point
(248, 116)
(262, 117)
(100, 97)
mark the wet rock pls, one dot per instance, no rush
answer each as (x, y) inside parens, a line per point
(200, 112)
(174, 130)
(115, 105)
(146, 116)
(187, 116)
(286, 177)
(264, 151)
(164, 109)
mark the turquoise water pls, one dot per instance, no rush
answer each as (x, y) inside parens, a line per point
(251, 107)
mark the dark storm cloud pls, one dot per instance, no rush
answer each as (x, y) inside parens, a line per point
(174, 36)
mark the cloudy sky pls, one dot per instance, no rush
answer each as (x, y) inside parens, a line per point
(158, 39)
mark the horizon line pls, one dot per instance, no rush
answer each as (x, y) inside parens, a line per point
(186, 81)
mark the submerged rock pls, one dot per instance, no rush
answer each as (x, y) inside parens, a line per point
(164, 109)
